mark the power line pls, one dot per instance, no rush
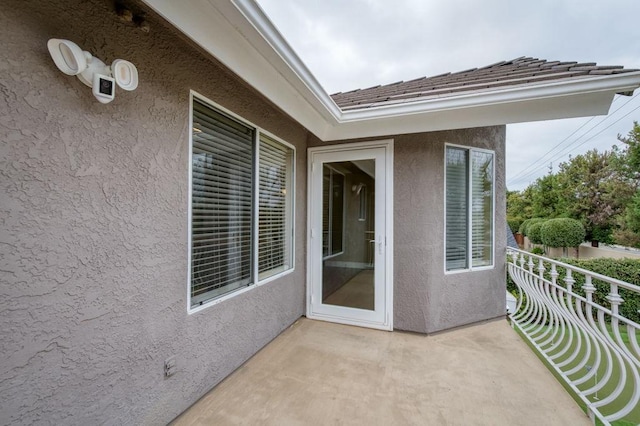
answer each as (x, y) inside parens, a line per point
(540, 160)
(638, 107)
(523, 175)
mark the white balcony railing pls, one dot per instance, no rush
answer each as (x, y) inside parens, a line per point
(591, 345)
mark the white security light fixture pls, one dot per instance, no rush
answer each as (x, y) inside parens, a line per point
(102, 79)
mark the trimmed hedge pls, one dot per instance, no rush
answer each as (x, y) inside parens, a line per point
(524, 228)
(534, 232)
(627, 270)
(563, 232)
(514, 223)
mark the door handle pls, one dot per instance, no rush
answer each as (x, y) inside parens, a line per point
(379, 242)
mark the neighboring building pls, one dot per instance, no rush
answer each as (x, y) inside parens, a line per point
(189, 222)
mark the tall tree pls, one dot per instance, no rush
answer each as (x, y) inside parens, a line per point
(594, 192)
(546, 201)
(628, 165)
(518, 205)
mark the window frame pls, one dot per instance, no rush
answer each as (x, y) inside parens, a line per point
(469, 169)
(290, 209)
(255, 281)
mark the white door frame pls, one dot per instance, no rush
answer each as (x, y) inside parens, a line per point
(387, 145)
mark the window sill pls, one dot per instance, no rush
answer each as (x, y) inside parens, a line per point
(213, 302)
(477, 269)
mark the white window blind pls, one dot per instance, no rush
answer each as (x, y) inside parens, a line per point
(482, 208)
(469, 208)
(221, 204)
(275, 208)
(457, 212)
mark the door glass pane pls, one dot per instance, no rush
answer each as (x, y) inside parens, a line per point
(348, 241)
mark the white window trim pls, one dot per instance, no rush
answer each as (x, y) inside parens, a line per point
(470, 268)
(256, 282)
(273, 277)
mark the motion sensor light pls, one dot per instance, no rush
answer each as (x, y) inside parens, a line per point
(102, 79)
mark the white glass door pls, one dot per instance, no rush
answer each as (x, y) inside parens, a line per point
(349, 260)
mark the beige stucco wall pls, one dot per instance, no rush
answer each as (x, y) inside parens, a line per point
(426, 299)
(93, 244)
(589, 252)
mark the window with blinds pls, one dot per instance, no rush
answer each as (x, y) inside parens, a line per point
(469, 202)
(481, 208)
(275, 212)
(457, 198)
(224, 214)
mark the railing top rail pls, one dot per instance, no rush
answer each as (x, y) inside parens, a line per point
(610, 280)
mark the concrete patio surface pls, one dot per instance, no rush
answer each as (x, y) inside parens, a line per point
(318, 373)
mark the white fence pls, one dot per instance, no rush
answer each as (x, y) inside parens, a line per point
(583, 336)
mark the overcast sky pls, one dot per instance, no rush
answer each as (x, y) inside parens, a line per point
(350, 44)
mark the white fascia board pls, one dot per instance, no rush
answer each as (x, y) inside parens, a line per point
(290, 64)
(239, 35)
(592, 84)
(223, 31)
(575, 98)
(583, 105)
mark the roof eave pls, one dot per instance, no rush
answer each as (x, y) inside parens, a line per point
(586, 96)
(239, 35)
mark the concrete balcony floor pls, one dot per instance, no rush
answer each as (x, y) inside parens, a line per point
(318, 373)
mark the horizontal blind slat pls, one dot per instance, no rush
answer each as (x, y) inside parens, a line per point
(222, 202)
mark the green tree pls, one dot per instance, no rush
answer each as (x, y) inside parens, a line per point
(628, 233)
(594, 192)
(630, 155)
(628, 165)
(601, 190)
(518, 209)
(546, 201)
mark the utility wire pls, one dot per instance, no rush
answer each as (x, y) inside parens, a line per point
(523, 175)
(638, 107)
(543, 159)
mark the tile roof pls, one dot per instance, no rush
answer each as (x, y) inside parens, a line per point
(520, 71)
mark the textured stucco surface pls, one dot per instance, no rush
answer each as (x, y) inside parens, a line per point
(93, 242)
(427, 300)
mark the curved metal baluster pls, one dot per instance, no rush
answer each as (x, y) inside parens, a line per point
(561, 328)
(601, 343)
(581, 328)
(555, 320)
(625, 359)
(633, 340)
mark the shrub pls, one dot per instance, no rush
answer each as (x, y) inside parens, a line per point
(537, 250)
(514, 223)
(562, 232)
(602, 234)
(627, 270)
(534, 232)
(524, 228)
